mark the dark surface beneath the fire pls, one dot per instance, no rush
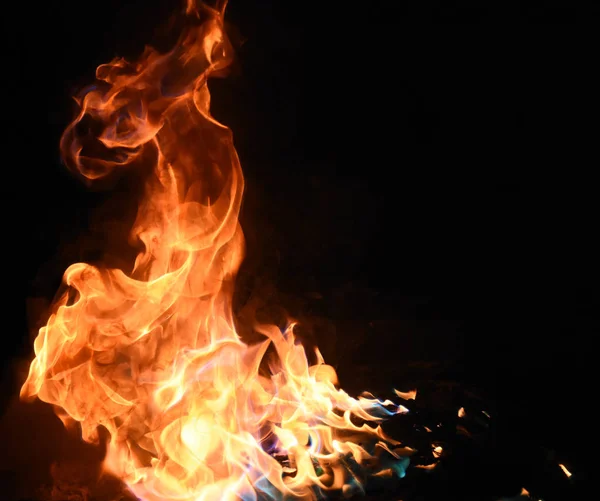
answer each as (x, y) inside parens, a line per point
(411, 197)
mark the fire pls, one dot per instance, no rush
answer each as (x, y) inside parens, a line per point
(565, 470)
(152, 354)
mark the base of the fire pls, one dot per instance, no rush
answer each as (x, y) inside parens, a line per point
(449, 452)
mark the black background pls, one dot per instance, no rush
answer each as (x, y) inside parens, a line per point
(420, 185)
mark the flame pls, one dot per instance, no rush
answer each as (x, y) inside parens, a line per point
(152, 354)
(565, 470)
(407, 395)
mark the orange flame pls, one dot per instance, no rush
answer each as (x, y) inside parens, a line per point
(153, 355)
(565, 470)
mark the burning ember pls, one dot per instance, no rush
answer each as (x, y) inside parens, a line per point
(152, 354)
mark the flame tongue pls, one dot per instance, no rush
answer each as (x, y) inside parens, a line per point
(153, 356)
